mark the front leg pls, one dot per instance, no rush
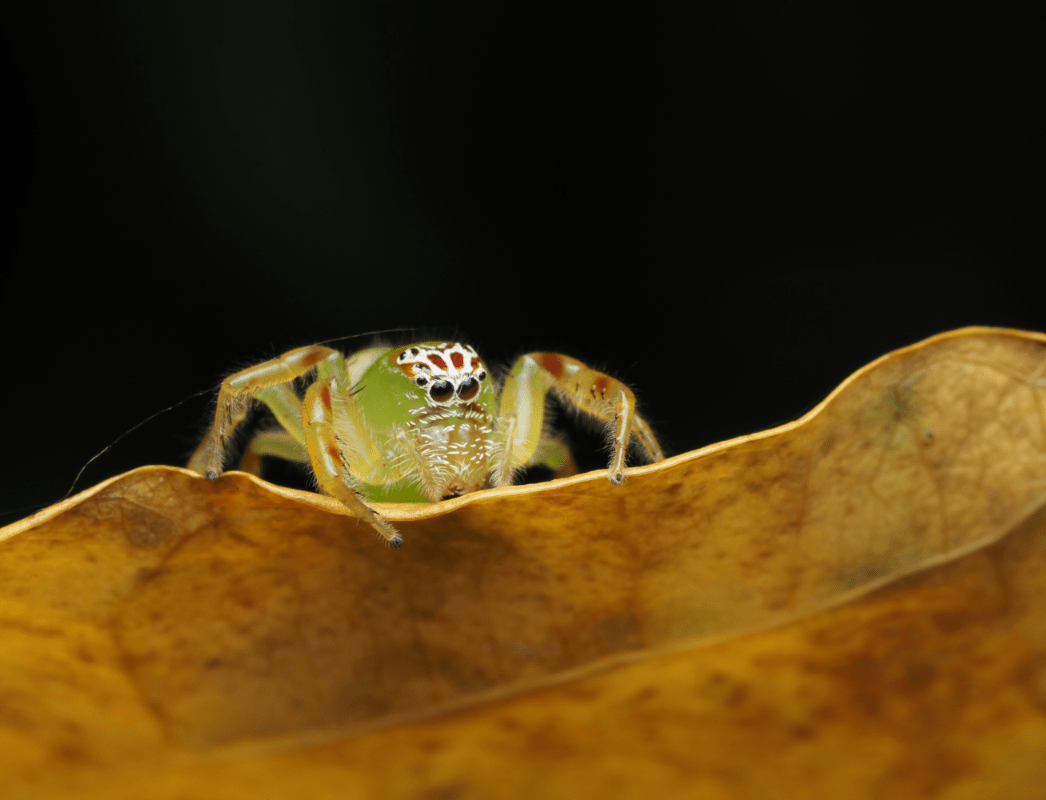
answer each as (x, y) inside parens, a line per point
(329, 462)
(522, 410)
(237, 391)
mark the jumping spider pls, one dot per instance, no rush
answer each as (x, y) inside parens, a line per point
(417, 423)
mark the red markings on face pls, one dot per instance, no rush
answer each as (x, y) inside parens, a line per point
(446, 361)
(325, 396)
(552, 363)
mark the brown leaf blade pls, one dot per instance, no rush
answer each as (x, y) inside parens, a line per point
(933, 686)
(162, 618)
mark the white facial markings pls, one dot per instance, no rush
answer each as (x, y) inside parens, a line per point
(449, 371)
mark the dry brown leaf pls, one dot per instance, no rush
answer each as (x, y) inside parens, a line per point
(165, 636)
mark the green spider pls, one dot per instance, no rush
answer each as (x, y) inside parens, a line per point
(417, 423)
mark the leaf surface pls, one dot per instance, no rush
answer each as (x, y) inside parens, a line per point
(851, 600)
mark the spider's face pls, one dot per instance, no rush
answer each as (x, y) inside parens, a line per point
(448, 372)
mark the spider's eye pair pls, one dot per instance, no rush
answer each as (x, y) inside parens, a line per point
(441, 391)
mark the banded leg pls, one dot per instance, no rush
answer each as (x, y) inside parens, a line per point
(583, 388)
(325, 452)
(237, 391)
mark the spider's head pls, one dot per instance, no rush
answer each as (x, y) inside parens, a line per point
(448, 372)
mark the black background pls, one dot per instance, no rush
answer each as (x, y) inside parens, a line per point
(731, 208)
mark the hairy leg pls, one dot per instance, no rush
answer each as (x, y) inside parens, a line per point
(237, 391)
(329, 463)
(583, 388)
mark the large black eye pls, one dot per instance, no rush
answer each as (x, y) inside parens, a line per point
(441, 391)
(469, 388)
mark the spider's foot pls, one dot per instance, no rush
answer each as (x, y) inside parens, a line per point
(211, 475)
(388, 533)
(616, 478)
